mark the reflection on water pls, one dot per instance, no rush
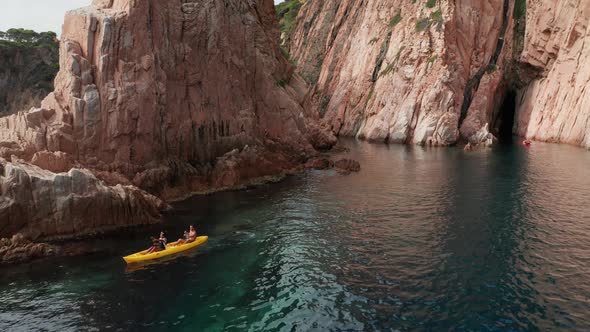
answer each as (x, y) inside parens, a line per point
(420, 239)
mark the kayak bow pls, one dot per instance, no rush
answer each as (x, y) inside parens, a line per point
(171, 249)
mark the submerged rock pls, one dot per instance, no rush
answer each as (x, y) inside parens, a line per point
(319, 163)
(483, 138)
(347, 165)
(18, 249)
(343, 166)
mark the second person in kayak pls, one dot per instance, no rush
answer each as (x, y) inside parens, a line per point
(192, 234)
(189, 236)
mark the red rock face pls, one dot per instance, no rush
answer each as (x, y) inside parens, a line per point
(146, 82)
(397, 71)
(556, 106)
(173, 97)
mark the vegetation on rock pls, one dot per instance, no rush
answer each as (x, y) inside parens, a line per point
(519, 9)
(396, 19)
(27, 38)
(29, 62)
(287, 13)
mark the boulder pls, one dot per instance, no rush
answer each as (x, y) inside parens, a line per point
(347, 165)
(19, 249)
(319, 163)
(42, 204)
(483, 137)
(52, 161)
(320, 137)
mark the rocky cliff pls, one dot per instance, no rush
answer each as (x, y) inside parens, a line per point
(556, 106)
(435, 72)
(29, 62)
(169, 97)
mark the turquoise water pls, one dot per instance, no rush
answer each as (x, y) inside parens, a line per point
(419, 240)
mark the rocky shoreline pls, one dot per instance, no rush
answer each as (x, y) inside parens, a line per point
(30, 244)
(150, 109)
(18, 249)
(143, 115)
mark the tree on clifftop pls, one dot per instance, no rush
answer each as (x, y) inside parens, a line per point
(28, 38)
(29, 62)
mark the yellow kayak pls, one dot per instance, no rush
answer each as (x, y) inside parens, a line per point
(171, 249)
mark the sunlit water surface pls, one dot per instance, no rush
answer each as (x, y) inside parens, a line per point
(420, 239)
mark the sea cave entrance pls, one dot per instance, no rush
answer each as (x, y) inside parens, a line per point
(504, 122)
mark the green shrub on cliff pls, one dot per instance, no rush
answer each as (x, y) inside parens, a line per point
(437, 16)
(519, 9)
(29, 62)
(287, 13)
(423, 24)
(396, 19)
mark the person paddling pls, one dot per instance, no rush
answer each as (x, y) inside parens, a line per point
(158, 244)
(192, 234)
(183, 239)
(188, 237)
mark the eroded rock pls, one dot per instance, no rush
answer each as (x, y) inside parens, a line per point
(18, 249)
(52, 161)
(403, 72)
(556, 106)
(42, 204)
(321, 137)
(347, 165)
(126, 103)
(400, 71)
(319, 163)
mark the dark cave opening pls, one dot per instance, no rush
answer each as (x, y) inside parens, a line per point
(504, 122)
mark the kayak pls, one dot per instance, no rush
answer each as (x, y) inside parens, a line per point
(171, 249)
